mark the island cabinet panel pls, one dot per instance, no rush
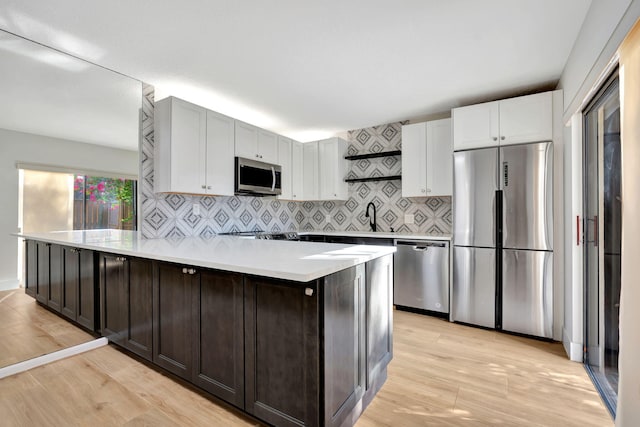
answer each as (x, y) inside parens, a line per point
(56, 278)
(379, 320)
(127, 305)
(71, 280)
(219, 335)
(31, 261)
(87, 309)
(173, 298)
(42, 288)
(344, 344)
(113, 274)
(282, 367)
(139, 308)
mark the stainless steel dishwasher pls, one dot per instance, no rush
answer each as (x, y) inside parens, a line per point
(421, 275)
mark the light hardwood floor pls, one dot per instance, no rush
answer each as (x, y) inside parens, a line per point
(442, 374)
(28, 330)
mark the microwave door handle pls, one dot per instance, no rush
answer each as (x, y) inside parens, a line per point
(273, 176)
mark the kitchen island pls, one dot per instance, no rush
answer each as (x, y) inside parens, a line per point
(293, 333)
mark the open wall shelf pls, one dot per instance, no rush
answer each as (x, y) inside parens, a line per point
(374, 155)
(374, 178)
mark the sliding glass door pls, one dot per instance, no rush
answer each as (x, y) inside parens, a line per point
(602, 237)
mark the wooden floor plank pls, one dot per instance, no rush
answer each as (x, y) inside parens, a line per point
(442, 374)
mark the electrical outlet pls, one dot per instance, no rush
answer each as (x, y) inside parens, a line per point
(327, 218)
(408, 218)
(196, 209)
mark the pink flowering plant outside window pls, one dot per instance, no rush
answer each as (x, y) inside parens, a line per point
(100, 195)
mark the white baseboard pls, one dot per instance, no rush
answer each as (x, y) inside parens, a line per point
(7, 285)
(51, 357)
(573, 349)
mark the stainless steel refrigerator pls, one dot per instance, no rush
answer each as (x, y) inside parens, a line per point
(503, 238)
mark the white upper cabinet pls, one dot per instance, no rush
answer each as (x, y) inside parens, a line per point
(509, 121)
(297, 173)
(475, 126)
(427, 156)
(526, 119)
(333, 169)
(310, 176)
(439, 158)
(193, 150)
(267, 146)
(255, 143)
(220, 151)
(284, 160)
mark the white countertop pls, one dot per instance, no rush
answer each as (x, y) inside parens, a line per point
(380, 234)
(289, 260)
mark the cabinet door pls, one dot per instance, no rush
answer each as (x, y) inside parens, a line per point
(173, 295)
(220, 152)
(87, 300)
(42, 288)
(526, 119)
(310, 171)
(332, 169)
(414, 160)
(284, 160)
(219, 336)
(439, 158)
(297, 171)
(246, 144)
(475, 126)
(344, 343)
(31, 259)
(267, 146)
(55, 278)
(379, 320)
(71, 278)
(281, 352)
(180, 147)
(113, 273)
(138, 335)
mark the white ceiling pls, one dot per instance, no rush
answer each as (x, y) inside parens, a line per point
(312, 69)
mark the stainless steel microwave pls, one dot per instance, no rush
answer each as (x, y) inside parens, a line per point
(257, 178)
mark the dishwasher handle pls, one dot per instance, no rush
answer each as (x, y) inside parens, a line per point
(420, 248)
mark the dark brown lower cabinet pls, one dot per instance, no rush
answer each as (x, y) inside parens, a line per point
(379, 320)
(71, 282)
(199, 328)
(87, 301)
(42, 283)
(31, 268)
(174, 297)
(282, 366)
(218, 338)
(344, 344)
(56, 278)
(127, 285)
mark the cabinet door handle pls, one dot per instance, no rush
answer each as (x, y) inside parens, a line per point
(423, 190)
(308, 292)
(192, 271)
(204, 186)
(428, 190)
(495, 138)
(184, 270)
(208, 187)
(502, 138)
(257, 156)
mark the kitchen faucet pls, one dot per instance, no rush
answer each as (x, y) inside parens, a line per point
(372, 224)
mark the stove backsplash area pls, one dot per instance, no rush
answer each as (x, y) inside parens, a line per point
(171, 215)
(430, 214)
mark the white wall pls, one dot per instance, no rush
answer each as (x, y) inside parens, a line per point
(591, 59)
(602, 32)
(28, 148)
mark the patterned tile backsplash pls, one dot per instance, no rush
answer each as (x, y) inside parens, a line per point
(431, 215)
(165, 215)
